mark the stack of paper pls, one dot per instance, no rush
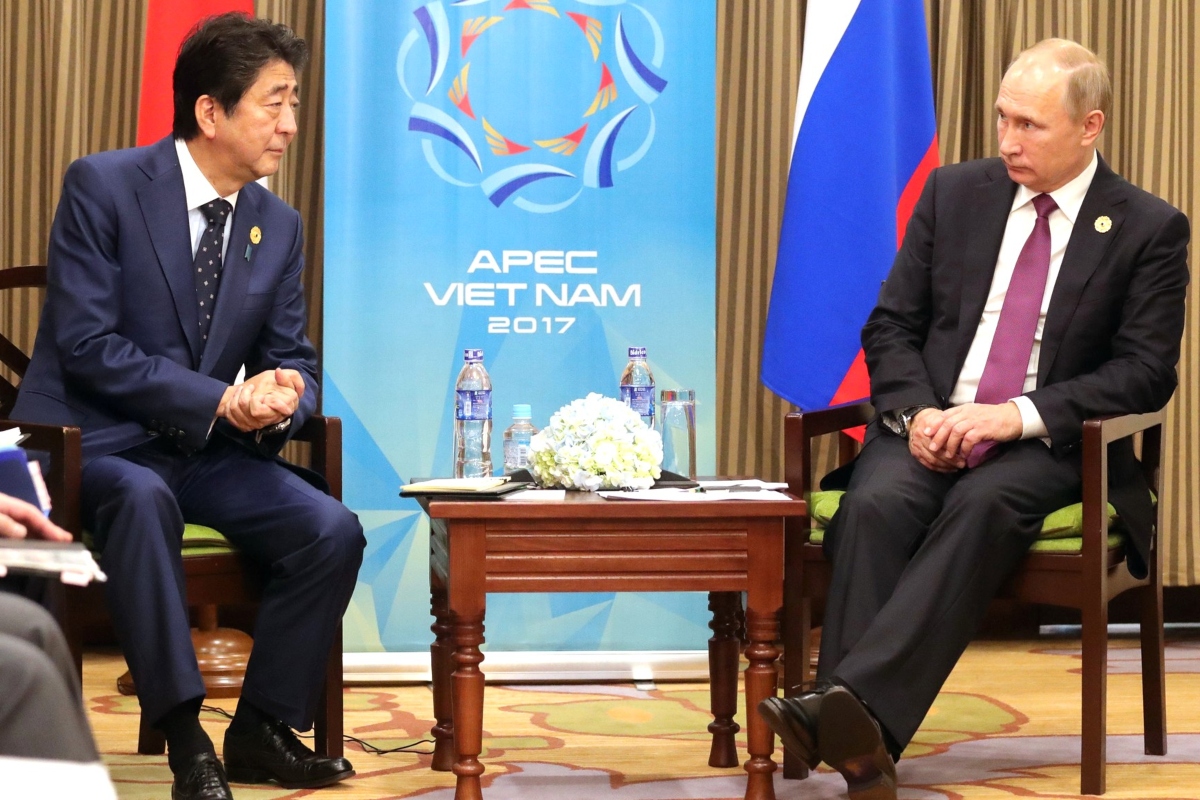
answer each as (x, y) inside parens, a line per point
(71, 561)
(455, 485)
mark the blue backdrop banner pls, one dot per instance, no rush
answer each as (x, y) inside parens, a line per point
(530, 177)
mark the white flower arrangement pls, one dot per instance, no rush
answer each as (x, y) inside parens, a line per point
(596, 443)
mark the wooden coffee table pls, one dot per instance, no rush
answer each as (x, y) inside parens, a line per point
(588, 544)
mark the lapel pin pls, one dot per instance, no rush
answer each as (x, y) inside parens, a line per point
(1103, 224)
(256, 233)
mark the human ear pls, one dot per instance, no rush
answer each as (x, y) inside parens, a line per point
(1093, 126)
(206, 115)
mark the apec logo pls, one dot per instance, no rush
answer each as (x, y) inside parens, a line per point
(533, 101)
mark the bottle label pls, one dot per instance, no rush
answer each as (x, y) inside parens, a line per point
(516, 454)
(473, 404)
(639, 398)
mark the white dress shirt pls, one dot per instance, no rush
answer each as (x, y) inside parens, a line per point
(1021, 218)
(198, 191)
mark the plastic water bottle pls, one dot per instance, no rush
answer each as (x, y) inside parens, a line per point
(637, 385)
(516, 439)
(473, 419)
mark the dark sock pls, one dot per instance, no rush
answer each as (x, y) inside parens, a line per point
(247, 717)
(889, 741)
(185, 738)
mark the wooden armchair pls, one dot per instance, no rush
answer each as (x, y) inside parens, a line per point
(1086, 579)
(216, 573)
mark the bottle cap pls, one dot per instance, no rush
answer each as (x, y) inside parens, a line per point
(522, 411)
(637, 352)
(472, 355)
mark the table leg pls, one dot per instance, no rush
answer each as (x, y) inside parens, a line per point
(468, 706)
(765, 597)
(760, 684)
(441, 658)
(465, 584)
(723, 649)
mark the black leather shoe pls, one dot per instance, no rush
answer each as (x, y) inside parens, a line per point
(795, 720)
(202, 778)
(852, 743)
(271, 753)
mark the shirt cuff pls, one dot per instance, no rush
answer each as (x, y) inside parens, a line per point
(1032, 426)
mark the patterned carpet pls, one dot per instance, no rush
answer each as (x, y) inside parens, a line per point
(1006, 725)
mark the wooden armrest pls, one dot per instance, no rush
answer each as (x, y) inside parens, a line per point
(1120, 426)
(1098, 433)
(799, 429)
(65, 446)
(831, 419)
(325, 436)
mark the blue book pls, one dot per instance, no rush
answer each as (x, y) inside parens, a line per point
(16, 479)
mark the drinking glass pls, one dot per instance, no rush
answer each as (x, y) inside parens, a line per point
(677, 424)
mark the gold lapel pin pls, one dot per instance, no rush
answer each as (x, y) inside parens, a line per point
(1103, 224)
(256, 232)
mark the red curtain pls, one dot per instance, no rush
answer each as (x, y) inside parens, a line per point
(167, 24)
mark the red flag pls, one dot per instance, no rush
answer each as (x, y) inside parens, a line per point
(167, 23)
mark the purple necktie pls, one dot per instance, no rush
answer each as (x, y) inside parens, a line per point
(1007, 362)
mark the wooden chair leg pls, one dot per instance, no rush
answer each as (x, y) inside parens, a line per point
(723, 649)
(1154, 695)
(328, 723)
(795, 626)
(1095, 704)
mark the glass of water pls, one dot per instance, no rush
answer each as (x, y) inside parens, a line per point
(676, 423)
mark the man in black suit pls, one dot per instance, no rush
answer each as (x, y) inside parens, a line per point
(1032, 291)
(170, 268)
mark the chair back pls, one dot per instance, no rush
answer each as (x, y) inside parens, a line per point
(12, 357)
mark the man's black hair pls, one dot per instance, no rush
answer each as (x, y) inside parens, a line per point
(222, 57)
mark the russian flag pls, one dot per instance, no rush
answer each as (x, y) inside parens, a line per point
(864, 141)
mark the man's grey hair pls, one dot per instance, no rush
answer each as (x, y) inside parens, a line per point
(1088, 85)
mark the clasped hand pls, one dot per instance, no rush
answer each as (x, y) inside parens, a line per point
(269, 397)
(942, 440)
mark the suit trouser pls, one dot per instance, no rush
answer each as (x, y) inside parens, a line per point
(308, 545)
(41, 704)
(917, 557)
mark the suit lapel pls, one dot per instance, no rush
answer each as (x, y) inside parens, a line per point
(164, 210)
(1085, 250)
(988, 215)
(235, 276)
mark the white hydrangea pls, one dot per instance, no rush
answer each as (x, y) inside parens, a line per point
(596, 443)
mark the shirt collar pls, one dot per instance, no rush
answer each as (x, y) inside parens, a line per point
(1069, 196)
(196, 188)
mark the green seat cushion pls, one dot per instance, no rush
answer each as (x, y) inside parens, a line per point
(1073, 544)
(1065, 523)
(198, 540)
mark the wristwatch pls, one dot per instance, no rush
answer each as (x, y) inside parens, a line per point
(898, 421)
(271, 430)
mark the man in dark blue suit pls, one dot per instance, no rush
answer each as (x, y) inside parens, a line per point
(170, 269)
